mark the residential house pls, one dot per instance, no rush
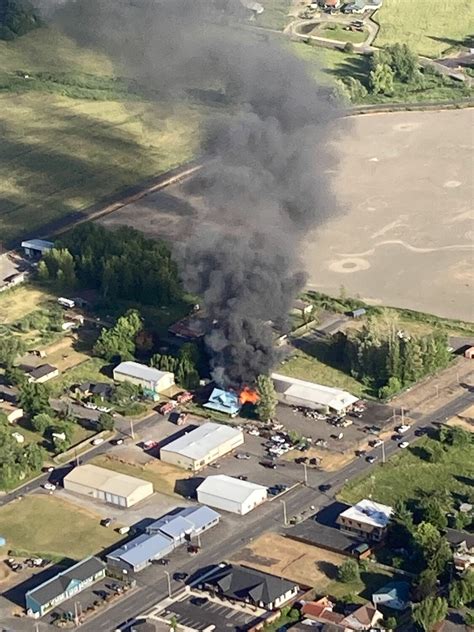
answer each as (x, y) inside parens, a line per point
(250, 586)
(226, 402)
(11, 412)
(395, 595)
(42, 373)
(9, 394)
(366, 617)
(366, 519)
(95, 389)
(462, 544)
(362, 6)
(63, 586)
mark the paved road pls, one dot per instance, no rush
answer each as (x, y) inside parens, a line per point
(152, 585)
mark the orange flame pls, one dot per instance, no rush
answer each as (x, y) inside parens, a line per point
(248, 395)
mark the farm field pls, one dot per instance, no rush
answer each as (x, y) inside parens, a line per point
(414, 474)
(64, 530)
(61, 154)
(429, 27)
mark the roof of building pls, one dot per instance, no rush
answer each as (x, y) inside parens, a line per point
(239, 582)
(369, 512)
(202, 440)
(42, 370)
(140, 371)
(224, 486)
(37, 244)
(188, 521)
(457, 537)
(323, 536)
(55, 586)
(191, 327)
(105, 480)
(314, 393)
(224, 401)
(316, 608)
(298, 303)
(142, 549)
(96, 388)
(363, 616)
(9, 393)
(394, 590)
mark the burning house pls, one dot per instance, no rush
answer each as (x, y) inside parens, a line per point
(230, 402)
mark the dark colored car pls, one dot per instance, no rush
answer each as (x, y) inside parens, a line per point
(199, 601)
(269, 464)
(324, 488)
(371, 458)
(180, 577)
(164, 561)
(106, 522)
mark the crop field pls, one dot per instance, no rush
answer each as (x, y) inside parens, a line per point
(429, 27)
(70, 139)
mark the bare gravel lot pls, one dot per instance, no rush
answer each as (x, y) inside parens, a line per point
(406, 235)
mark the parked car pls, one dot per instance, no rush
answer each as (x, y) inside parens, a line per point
(184, 397)
(50, 487)
(402, 428)
(106, 522)
(254, 432)
(163, 561)
(90, 405)
(243, 478)
(375, 443)
(371, 458)
(47, 468)
(180, 577)
(242, 455)
(215, 466)
(166, 408)
(325, 487)
(199, 601)
(149, 445)
(103, 409)
(116, 441)
(97, 441)
(403, 444)
(269, 464)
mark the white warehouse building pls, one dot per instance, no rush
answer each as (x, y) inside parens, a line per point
(203, 445)
(296, 392)
(147, 377)
(231, 494)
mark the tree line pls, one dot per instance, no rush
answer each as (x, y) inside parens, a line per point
(120, 264)
(387, 359)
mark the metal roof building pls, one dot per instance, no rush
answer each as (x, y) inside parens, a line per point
(296, 392)
(224, 401)
(202, 446)
(162, 537)
(231, 494)
(367, 518)
(35, 247)
(64, 585)
(107, 485)
(142, 375)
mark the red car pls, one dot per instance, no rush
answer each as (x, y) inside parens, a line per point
(184, 397)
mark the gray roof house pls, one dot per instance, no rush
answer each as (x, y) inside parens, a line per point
(135, 555)
(249, 585)
(395, 595)
(51, 593)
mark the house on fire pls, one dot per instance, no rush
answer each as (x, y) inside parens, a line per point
(226, 402)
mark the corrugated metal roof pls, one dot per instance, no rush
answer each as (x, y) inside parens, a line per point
(187, 522)
(143, 549)
(140, 371)
(314, 393)
(227, 487)
(106, 480)
(202, 440)
(37, 244)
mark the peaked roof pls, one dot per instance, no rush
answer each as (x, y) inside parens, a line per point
(239, 582)
(202, 440)
(395, 590)
(224, 401)
(224, 486)
(363, 616)
(140, 371)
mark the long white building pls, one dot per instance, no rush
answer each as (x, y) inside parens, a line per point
(296, 392)
(231, 494)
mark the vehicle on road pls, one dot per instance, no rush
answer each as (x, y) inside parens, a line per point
(403, 444)
(371, 458)
(97, 441)
(325, 487)
(180, 577)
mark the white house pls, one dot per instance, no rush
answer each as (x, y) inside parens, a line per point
(231, 494)
(147, 377)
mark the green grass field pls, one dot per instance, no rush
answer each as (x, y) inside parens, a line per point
(370, 580)
(60, 154)
(337, 32)
(429, 27)
(275, 15)
(64, 530)
(406, 474)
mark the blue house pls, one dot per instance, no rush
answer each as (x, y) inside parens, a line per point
(63, 586)
(226, 402)
(394, 595)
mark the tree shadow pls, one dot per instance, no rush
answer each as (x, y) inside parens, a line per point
(465, 480)
(372, 581)
(357, 67)
(466, 42)
(420, 452)
(327, 568)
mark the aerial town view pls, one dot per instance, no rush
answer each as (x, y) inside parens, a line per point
(237, 315)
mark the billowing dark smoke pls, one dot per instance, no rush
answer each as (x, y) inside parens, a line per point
(263, 182)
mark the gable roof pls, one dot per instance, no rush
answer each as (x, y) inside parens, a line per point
(224, 401)
(223, 486)
(140, 371)
(57, 585)
(362, 617)
(394, 590)
(455, 537)
(189, 520)
(42, 370)
(202, 440)
(106, 480)
(321, 395)
(240, 582)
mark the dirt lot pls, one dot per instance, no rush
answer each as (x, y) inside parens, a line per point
(302, 563)
(60, 354)
(405, 195)
(464, 420)
(19, 302)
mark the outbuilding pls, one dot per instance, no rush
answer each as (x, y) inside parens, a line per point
(296, 392)
(36, 247)
(43, 373)
(111, 487)
(11, 412)
(231, 494)
(203, 445)
(150, 379)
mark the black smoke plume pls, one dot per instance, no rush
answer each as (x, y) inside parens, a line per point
(266, 157)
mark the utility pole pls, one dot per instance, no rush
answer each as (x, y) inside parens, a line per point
(305, 474)
(170, 595)
(403, 415)
(285, 518)
(76, 614)
(76, 458)
(383, 452)
(132, 432)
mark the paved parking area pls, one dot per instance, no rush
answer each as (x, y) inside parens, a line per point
(222, 616)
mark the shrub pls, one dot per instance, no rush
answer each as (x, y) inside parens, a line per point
(348, 47)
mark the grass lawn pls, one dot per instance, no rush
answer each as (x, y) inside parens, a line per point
(92, 370)
(275, 15)
(370, 580)
(337, 32)
(429, 27)
(20, 301)
(406, 474)
(60, 154)
(305, 366)
(51, 527)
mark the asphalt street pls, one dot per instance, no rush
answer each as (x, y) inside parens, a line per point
(153, 587)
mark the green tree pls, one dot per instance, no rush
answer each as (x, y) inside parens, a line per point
(433, 512)
(390, 389)
(15, 376)
(266, 405)
(412, 361)
(34, 456)
(435, 453)
(41, 422)
(429, 612)
(403, 61)
(348, 572)
(34, 399)
(119, 340)
(105, 422)
(10, 348)
(381, 79)
(390, 623)
(426, 584)
(469, 618)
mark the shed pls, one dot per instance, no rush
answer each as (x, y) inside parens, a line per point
(231, 494)
(11, 412)
(107, 485)
(43, 373)
(145, 376)
(357, 313)
(36, 247)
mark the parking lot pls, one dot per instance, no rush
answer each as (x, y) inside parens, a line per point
(220, 614)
